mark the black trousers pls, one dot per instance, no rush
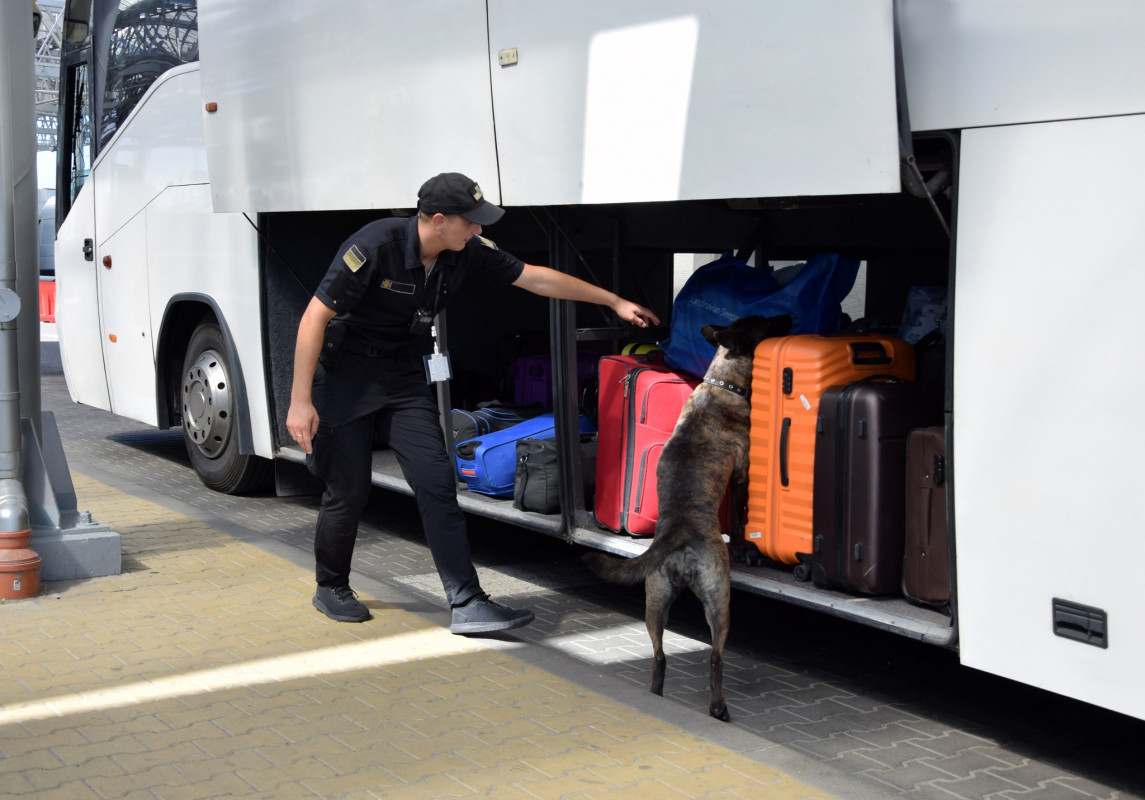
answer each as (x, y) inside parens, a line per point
(405, 416)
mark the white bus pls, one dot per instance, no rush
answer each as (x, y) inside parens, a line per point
(213, 157)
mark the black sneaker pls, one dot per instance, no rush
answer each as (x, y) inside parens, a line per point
(340, 603)
(482, 615)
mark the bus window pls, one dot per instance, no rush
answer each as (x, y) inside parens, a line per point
(78, 133)
(146, 40)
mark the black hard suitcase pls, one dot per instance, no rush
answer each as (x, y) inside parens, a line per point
(926, 560)
(859, 502)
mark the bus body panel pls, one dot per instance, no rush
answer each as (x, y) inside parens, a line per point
(128, 354)
(314, 113)
(78, 309)
(196, 252)
(662, 100)
(970, 63)
(160, 146)
(155, 223)
(1049, 284)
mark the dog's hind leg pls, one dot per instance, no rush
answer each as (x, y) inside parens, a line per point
(737, 501)
(659, 592)
(715, 594)
(717, 707)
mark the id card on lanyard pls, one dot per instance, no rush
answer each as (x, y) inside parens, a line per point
(437, 367)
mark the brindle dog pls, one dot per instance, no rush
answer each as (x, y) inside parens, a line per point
(707, 450)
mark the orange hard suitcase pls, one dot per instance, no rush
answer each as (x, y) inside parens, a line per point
(790, 374)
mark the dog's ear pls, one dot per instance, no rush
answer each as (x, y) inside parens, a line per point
(778, 326)
(737, 338)
(710, 333)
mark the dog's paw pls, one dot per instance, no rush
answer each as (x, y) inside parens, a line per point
(720, 712)
(737, 552)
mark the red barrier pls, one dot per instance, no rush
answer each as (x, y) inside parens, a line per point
(47, 301)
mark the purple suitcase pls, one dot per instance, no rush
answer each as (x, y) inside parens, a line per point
(859, 495)
(532, 376)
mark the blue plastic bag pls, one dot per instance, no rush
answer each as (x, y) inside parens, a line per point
(925, 312)
(727, 289)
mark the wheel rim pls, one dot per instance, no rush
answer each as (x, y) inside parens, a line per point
(207, 404)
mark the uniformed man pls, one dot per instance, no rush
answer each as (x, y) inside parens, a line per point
(370, 322)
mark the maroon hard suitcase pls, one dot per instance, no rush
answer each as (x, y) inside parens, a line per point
(859, 503)
(926, 560)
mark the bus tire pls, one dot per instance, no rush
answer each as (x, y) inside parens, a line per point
(209, 408)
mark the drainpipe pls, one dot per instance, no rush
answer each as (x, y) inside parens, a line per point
(16, 100)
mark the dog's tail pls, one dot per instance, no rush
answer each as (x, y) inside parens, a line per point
(636, 569)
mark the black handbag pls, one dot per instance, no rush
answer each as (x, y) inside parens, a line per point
(537, 475)
(535, 483)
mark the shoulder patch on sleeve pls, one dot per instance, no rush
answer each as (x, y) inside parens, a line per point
(354, 258)
(488, 243)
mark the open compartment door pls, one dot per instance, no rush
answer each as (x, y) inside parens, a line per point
(328, 106)
(1047, 498)
(604, 102)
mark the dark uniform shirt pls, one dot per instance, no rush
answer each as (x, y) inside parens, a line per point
(377, 282)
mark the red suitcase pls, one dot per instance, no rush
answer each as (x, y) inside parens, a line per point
(859, 508)
(790, 374)
(639, 403)
(926, 560)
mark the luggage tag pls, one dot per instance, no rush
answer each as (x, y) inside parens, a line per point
(437, 364)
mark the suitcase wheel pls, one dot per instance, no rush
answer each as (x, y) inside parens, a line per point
(802, 571)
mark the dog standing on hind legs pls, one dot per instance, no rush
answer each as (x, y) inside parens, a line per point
(706, 453)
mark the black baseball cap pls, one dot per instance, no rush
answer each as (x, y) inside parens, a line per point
(453, 193)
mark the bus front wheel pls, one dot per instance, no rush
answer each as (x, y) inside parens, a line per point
(209, 407)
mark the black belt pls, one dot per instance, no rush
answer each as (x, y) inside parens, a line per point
(372, 352)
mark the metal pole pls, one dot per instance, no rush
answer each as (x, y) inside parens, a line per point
(17, 242)
(36, 491)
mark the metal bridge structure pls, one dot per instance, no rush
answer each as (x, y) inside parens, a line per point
(49, 37)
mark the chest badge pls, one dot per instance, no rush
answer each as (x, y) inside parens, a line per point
(400, 288)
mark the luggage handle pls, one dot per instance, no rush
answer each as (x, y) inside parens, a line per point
(882, 378)
(939, 474)
(784, 433)
(866, 353)
(925, 513)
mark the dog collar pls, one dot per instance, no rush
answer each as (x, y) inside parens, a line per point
(731, 387)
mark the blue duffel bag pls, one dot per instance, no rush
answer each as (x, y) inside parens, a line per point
(487, 464)
(727, 289)
(490, 417)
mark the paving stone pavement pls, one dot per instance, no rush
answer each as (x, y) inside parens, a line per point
(854, 712)
(194, 673)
